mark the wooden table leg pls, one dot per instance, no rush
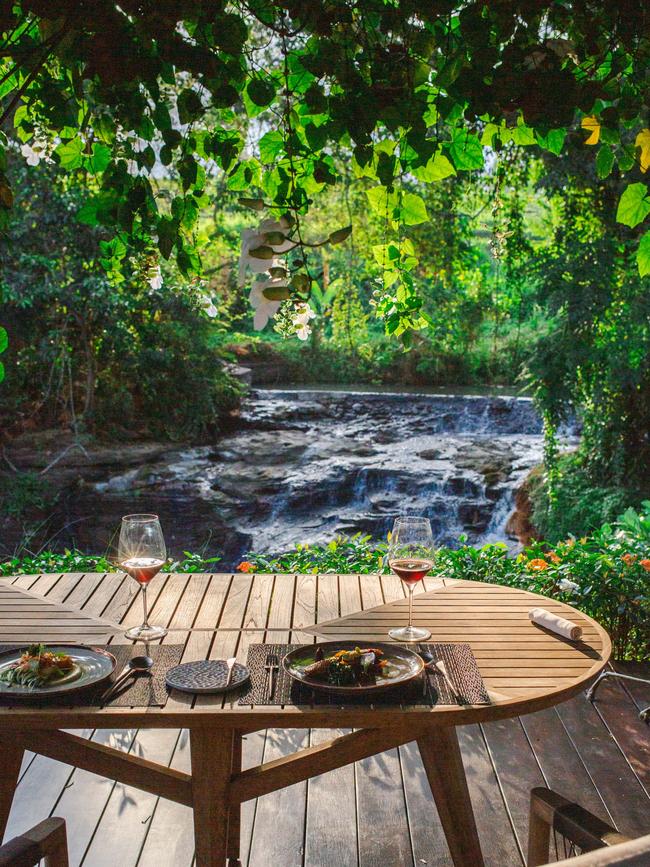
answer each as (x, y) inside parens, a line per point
(234, 817)
(12, 757)
(212, 755)
(443, 764)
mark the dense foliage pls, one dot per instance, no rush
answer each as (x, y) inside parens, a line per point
(595, 357)
(90, 354)
(607, 575)
(409, 91)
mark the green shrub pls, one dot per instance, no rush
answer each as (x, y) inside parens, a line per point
(27, 491)
(579, 507)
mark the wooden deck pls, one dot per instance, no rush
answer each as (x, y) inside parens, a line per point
(377, 813)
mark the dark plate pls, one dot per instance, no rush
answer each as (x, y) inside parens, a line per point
(405, 666)
(94, 666)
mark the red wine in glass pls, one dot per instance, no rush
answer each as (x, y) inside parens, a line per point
(142, 553)
(142, 569)
(411, 570)
(410, 556)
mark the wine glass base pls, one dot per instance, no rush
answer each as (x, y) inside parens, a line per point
(145, 633)
(409, 633)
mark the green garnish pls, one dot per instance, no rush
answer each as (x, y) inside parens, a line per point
(37, 666)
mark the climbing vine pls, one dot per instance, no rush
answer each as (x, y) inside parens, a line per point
(123, 93)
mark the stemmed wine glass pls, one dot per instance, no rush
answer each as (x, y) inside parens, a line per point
(410, 556)
(142, 554)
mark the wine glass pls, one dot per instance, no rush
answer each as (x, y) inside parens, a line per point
(142, 554)
(410, 556)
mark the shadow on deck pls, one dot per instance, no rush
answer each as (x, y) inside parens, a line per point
(377, 813)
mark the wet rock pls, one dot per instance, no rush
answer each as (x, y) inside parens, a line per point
(519, 525)
(475, 517)
(461, 486)
(430, 454)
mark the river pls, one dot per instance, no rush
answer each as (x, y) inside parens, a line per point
(305, 464)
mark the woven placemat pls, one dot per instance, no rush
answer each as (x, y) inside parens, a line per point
(140, 691)
(459, 659)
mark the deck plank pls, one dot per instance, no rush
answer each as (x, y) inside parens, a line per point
(331, 800)
(279, 821)
(626, 800)
(560, 762)
(384, 836)
(129, 811)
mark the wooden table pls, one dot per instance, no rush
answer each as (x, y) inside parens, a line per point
(524, 669)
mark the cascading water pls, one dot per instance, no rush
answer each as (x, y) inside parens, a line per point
(306, 464)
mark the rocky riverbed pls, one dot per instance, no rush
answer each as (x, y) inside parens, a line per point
(301, 466)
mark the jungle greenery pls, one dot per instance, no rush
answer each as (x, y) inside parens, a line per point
(491, 159)
(607, 575)
(87, 353)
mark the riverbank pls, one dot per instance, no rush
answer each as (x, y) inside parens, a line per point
(299, 465)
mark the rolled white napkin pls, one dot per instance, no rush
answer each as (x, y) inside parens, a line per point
(557, 624)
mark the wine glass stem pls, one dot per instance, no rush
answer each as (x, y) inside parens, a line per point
(144, 605)
(410, 587)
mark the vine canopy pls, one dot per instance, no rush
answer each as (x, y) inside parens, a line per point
(410, 91)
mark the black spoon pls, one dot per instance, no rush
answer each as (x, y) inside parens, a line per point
(136, 665)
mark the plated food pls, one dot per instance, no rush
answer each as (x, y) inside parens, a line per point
(40, 666)
(39, 669)
(346, 666)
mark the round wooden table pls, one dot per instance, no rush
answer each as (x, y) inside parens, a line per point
(524, 667)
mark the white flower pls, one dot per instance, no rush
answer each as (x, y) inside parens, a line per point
(252, 238)
(264, 307)
(211, 311)
(303, 332)
(302, 315)
(567, 586)
(34, 151)
(155, 279)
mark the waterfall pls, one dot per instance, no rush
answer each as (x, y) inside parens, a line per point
(305, 464)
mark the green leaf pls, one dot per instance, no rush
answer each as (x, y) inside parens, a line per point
(381, 200)
(436, 169)
(4, 339)
(523, 135)
(167, 235)
(643, 255)
(271, 145)
(260, 92)
(87, 214)
(553, 141)
(634, 205)
(604, 161)
(189, 106)
(301, 282)
(413, 210)
(2, 371)
(465, 150)
(69, 154)
(100, 158)
(340, 235)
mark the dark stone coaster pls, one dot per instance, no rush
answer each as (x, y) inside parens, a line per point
(459, 659)
(206, 676)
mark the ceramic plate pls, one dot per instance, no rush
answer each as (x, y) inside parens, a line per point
(404, 665)
(92, 666)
